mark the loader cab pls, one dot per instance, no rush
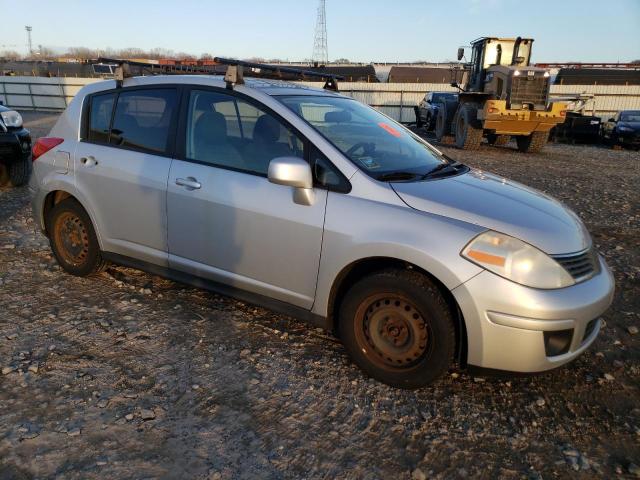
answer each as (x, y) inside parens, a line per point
(488, 52)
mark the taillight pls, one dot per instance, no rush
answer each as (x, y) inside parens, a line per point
(43, 145)
(563, 113)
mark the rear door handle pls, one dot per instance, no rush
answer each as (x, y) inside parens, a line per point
(89, 161)
(189, 183)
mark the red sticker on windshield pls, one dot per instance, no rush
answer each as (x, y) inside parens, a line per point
(389, 129)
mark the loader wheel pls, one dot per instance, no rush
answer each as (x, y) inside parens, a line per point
(416, 111)
(532, 143)
(441, 122)
(468, 137)
(498, 140)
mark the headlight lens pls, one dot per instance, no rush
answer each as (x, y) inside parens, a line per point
(516, 260)
(11, 118)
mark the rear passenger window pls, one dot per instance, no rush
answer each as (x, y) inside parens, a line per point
(100, 117)
(143, 118)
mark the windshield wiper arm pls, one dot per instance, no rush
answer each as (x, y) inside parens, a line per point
(396, 176)
(441, 167)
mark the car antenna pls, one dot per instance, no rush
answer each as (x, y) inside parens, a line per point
(232, 77)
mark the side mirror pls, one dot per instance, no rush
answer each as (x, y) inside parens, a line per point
(460, 53)
(293, 172)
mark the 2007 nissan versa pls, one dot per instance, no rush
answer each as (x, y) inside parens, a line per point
(313, 204)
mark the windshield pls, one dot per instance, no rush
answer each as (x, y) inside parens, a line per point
(630, 117)
(441, 97)
(372, 141)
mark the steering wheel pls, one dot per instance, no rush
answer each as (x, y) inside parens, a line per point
(367, 148)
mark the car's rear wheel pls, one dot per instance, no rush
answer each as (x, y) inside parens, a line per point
(73, 239)
(398, 328)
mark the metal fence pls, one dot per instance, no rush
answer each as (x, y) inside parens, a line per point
(394, 99)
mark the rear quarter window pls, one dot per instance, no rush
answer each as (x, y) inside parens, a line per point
(100, 117)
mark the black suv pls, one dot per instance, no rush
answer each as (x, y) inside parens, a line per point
(623, 129)
(427, 110)
(15, 146)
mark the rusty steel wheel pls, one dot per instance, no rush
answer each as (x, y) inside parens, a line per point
(393, 329)
(73, 239)
(397, 326)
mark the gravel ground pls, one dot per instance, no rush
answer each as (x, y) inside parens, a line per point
(127, 375)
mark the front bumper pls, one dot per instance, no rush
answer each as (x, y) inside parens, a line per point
(14, 144)
(506, 322)
(629, 138)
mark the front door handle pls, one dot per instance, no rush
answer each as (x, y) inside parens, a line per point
(189, 183)
(89, 161)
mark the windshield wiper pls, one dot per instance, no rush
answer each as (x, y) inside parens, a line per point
(441, 167)
(396, 176)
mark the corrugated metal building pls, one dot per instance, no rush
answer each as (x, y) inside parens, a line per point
(419, 75)
(597, 76)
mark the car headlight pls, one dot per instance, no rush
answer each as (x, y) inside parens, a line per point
(625, 129)
(11, 118)
(516, 260)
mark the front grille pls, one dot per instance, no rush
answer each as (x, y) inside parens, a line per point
(581, 266)
(529, 90)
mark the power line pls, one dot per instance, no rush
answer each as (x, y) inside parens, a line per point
(320, 51)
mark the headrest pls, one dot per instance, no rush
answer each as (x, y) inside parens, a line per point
(267, 129)
(337, 116)
(211, 125)
(203, 103)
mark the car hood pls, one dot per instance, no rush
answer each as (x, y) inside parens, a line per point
(634, 125)
(499, 204)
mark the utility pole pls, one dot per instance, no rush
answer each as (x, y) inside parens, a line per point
(320, 52)
(28, 29)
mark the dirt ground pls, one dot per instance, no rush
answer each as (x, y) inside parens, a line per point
(127, 375)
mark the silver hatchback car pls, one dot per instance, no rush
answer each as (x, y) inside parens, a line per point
(315, 205)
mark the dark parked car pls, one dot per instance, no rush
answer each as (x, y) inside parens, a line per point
(15, 146)
(427, 110)
(623, 129)
(578, 128)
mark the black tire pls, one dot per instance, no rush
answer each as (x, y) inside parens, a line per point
(532, 143)
(394, 306)
(73, 239)
(416, 110)
(498, 140)
(441, 122)
(468, 136)
(19, 171)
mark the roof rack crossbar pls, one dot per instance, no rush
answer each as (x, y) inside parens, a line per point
(331, 79)
(234, 74)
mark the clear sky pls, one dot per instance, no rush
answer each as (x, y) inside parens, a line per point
(360, 30)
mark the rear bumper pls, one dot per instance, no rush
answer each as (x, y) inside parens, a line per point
(516, 328)
(14, 144)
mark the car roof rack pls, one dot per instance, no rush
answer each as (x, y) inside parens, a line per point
(234, 74)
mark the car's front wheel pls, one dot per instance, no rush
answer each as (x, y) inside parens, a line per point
(398, 328)
(73, 239)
